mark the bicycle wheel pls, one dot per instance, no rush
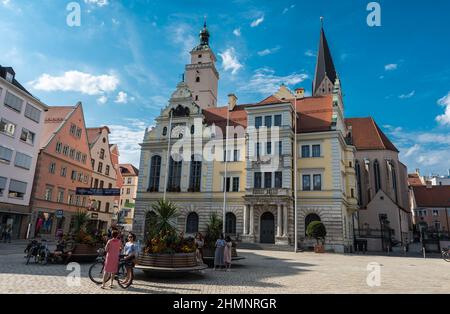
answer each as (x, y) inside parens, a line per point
(446, 256)
(96, 272)
(122, 277)
(29, 256)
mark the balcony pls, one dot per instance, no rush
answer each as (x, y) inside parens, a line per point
(269, 192)
(269, 160)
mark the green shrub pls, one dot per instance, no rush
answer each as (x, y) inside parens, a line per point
(316, 230)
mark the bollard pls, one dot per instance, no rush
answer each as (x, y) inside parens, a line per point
(424, 253)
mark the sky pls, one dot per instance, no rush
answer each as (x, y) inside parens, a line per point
(124, 60)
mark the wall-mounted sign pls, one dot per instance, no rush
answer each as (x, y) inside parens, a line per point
(98, 192)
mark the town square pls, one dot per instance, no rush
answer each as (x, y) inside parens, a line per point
(248, 147)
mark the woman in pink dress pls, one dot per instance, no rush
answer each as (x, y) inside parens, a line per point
(227, 253)
(113, 249)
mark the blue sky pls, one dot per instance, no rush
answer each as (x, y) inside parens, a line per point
(125, 59)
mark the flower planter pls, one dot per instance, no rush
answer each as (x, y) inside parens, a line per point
(178, 260)
(319, 248)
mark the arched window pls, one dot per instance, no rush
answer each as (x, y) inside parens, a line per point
(196, 174)
(155, 173)
(309, 219)
(376, 172)
(358, 182)
(192, 223)
(230, 223)
(394, 182)
(197, 79)
(173, 184)
(164, 131)
(192, 129)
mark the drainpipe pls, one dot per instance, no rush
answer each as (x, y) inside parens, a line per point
(226, 172)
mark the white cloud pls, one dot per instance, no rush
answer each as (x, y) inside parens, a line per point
(412, 150)
(285, 10)
(264, 81)
(237, 32)
(230, 61)
(99, 3)
(444, 119)
(406, 96)
(256, 22)
(181, 36)
(5, 2)
(102, 100)
(123, 98)
(391, 67)
(75, 81)
(128, 137)
(310, 53)
(266, 52)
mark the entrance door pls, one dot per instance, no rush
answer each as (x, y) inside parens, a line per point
(267, 228)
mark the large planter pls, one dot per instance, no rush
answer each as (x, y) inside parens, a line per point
(319, 248)
(178, 260)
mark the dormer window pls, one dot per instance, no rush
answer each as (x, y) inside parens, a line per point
(9, 77)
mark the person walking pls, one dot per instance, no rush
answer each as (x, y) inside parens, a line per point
(130, 252)
(8, 233)
(218, 255)
(227, 253)
(112, 248)
(2, 231)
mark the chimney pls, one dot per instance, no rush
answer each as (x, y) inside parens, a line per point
(232, 101)
(429, 184)
(300, 93)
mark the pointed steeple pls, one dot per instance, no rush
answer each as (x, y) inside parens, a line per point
(204, 35)
(325, 75)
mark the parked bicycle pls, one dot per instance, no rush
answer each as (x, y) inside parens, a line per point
(96, 271)
(446, 254)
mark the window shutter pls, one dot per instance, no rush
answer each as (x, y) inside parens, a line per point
(18, 186)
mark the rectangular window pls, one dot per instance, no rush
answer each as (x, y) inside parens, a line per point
(280, 148)
(59, 147)
(110, 186)
(268, 180)
(32, 113)
(83, 159)
(5, 154)
(316, 150)
(78, 156)
(227, 183)
(79, 132)
(258, 122)
(317, 182)
(107, 170)
(235, 184)
(102, 184)
(435, 212)
(80, 177)
(74, 175)
(107, 207)
(128, 191)
(23, 161)
(66, 150)
(17, 189)
(83, 202)
(269, 148)
(60, 196)
(100, 167)
(72, 153)
(258, 150)
(305, 151)
(27, 136)
(52, 168)
(278, 179)
(63, 171)
(102, 154)
(93, 164)
(70, 198)
(268, 121)
(13, 102)
(86, 179)
(258, 181)
(306, 183)
(7, 127)
(236, 156)
(277, 120)
(48, 193)
(2, 184)
(73, 129)
(99, 205)
(96, 183)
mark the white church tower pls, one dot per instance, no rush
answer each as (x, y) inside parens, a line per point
(201, 75)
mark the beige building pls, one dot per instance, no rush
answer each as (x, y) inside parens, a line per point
(104, 209)
(385, 211)
(130, 175)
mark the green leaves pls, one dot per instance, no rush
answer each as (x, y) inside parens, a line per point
(213, 230)
(316, 230)
(80, 221)
(166, 214)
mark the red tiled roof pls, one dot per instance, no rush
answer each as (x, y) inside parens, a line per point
(94, 133)
(218, 116)
(414, 180)
(436, 196)
(128, 170)
(368, 136)
(315, 114)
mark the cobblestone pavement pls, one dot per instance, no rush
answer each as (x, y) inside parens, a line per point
(261, 272)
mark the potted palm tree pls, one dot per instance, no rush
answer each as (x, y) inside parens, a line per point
(166, 248)
(317, 230)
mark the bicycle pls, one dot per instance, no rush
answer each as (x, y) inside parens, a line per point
(446, 255)
(32, 251)
(96, 271)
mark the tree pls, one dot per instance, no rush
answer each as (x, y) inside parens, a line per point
(316, 230)
(81, 219)
(166, 214)
(213, 230)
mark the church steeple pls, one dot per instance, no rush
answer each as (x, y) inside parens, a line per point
(325, 75)
(204, 35)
